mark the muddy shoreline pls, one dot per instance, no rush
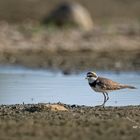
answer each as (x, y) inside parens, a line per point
(33, 122)
(75, 61)
(111, 47)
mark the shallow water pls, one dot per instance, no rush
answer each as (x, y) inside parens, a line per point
(20, 85)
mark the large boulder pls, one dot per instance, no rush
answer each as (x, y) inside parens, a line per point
(70, 13)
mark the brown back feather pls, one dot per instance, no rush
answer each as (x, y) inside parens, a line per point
(107, 84)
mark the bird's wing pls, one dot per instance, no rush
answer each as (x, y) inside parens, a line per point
(107, 84)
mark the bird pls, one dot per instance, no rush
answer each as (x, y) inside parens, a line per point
(104, 85)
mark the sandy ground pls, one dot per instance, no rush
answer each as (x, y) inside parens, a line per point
(79, 122)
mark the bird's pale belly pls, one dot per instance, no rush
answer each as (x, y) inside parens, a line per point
(98, 89)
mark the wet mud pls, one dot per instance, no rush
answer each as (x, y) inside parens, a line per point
(33, 121)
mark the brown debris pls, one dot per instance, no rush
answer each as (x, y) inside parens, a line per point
(54, 107)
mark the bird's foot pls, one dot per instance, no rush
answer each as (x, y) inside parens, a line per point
(100, 106)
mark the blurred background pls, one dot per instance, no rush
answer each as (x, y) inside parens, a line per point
(42, 42)
(97, 34)
(17, 11)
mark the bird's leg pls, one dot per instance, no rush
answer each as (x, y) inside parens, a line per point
(105, 99)
(107, 96)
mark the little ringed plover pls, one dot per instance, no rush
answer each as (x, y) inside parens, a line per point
(104, 85)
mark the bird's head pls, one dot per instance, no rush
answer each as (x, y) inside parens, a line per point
(91, 77)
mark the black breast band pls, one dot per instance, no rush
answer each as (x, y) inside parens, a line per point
(93, 84)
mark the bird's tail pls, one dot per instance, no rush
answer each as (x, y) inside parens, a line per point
(128, 86)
